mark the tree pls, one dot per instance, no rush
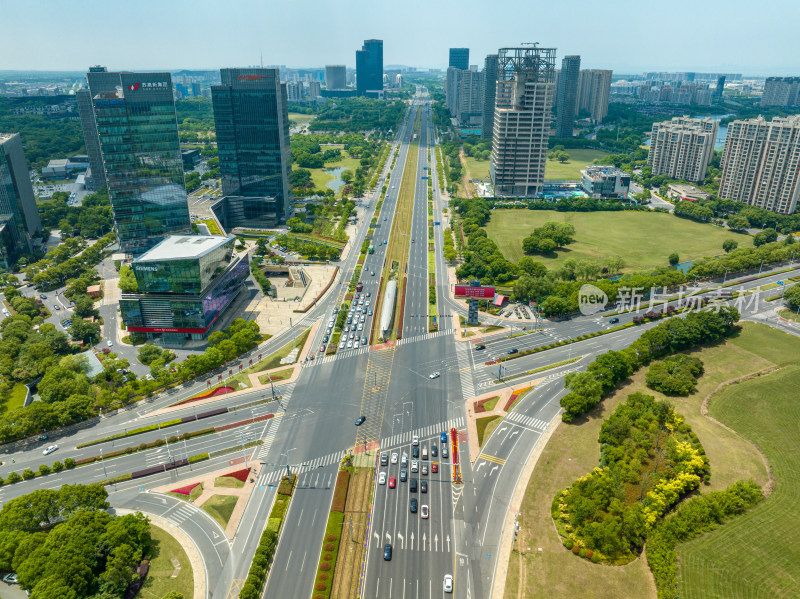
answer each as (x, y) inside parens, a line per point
(792, 297)
(532, 267)
(554, 305)
(738, 222)
(127, 280)
(765, 236)
(149, 352)
(84, 306)
(729, 245)
(83, 330)
(674, 258)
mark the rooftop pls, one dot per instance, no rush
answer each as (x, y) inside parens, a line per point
(180, 247)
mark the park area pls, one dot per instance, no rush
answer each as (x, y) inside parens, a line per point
(571, 169)
(741, 558)
(643, 239)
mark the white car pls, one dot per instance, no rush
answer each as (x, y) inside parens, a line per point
(350, 344)
(382, 478)
(109, 343)
(415, 440)
(414, 466)
(424, 512)
(434, 375)
(394, 458)
(50, 450)
(448, 583)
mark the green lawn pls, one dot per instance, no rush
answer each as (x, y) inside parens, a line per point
(320, 177)
(14, 398)
(301, 119)
(228, 482)
(485, 426)
(220, 507)
(643, 239)
(159, 580)
(757, 554)
(478, 169)
(274, 359)
(571, 169)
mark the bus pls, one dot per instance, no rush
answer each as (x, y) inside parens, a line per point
(371, 249)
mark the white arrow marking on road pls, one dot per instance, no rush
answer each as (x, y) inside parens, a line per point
(493, 469)
(412, 541)
(481, 463)
(514, 433)
(377, 537)
(388, 537)
(448, 543)
(504, 428)
(424, 541)
(436, 541)
(402, 540)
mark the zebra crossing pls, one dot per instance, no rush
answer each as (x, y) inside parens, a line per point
(422, 433)
(529, 421)
(268, 438)
(465, 370)
(424, 336)
(350, 353)
(274, 476)
(184, 512)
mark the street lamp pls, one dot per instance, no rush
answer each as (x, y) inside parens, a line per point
(105, 474)
(725, 278)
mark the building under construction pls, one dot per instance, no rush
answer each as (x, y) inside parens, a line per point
(523, 100)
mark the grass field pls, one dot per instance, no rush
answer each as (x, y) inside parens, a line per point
(321, 178)
(478, 169)
(14, 398)
(485, 426)
(159, 580)
(192, 496)
(301, 119)
(573, 451)
(220, 507)
(571, 169)
(643, 239)
(757, 554)
(228, 482)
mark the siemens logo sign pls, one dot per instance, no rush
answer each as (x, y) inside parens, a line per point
(148, 268)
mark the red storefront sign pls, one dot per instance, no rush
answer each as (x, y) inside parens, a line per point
(465, 291)
(165, 330)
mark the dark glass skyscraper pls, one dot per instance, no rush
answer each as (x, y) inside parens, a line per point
(252, 124)
(369, 68)
(139, 142)
(19, 217)
(100, 81)
(459, 58)
(567, 95)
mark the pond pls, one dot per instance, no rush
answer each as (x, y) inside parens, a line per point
(336, 183)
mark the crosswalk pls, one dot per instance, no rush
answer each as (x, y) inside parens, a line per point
(422, 433)
(529, 421)
(350, 353)
(465, 370)
(182, 513)
(274, 476)
(424, 336)
(268, 438)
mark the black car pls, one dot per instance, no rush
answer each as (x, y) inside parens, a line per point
(412, 488)
(360, 420)
(614, 320)
(415, 451)
(387, 552)
(384, 459)
(513, 351)
(480, 347)
(434, 451)
(403, 475)
(423, 486)
(413, 505)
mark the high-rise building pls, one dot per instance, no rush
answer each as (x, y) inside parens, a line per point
(594, 89)
(141, 151)
(295, 91)
(720, 87)
(369, 69)
(489, 89)
(459, 58)
(781, 91)
(196, 91)
(335, 76)
(252, 124)
(314, 89)
(761, 163)
(524, 99)
(99, 81)
(566, 95)
(19, 216)
(682, 148)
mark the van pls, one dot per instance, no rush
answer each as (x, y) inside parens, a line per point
(425, 453)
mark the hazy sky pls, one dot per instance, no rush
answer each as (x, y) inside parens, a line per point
(629, 36)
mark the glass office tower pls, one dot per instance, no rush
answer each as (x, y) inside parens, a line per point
(19, 217)
(138, 134)
(252, 124)
(369, 68)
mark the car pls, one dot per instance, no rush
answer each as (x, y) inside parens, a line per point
(434, 375)
(423, 486)
(415, 440)
(385, 242)
(403, 475)
(369, 294)
(415, 451)
(325, 339)
(350, 344)
(424, 512)
(50, 449)
(412, 505)
(382, 478)
(384, 459)
(322, 348)
(109, 343)
(414, 466)
(42, 296)
(392, 482)
(443, 437)
(360, 326)
(346, 329)
(363, 310)
(435, 467)
(387, 552)
(372, 273)
(412, 241)
(10, 578)
(424, 469)
(394, 458)
(404, 460)
(614, 320)
(369, 313)
(363, 341)
(412, 485)
(513, 351)
(434, 451)
(360, 420)
(384, 218)
(57, 307)
(448, 583)
(445, 452)
(479, 347)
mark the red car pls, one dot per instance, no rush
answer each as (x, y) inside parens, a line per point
(321, 348)
(435, 467)
(392, 482)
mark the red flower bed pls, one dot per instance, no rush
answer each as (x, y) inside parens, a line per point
(184, 490)
(479, 408)
(239, 474)
(206, 395)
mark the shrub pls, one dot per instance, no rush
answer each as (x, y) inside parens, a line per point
(576, 549)
(596, 558)
(28, 474)
(198, 458)
(568, 543)
(322, 576)
(340, 492)
(589, 554)
(142, 446)
(57, 466)
(331, 538)
(582, 552)
(321, 586)
(327, 557)
(325, 567)
(329, 547)
(44, 469)
(13, 477)
(676, 375)
(69, 463)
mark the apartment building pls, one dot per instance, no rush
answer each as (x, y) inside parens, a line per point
(682, 148)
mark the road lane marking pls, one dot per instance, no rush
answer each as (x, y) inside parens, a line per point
(491, 458)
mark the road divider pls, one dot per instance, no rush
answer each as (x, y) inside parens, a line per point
(535, 370)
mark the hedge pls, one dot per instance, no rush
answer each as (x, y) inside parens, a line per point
(340, 491)
(696, 516)
(198, 458)
(333, 532)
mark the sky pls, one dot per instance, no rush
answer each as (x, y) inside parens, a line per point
(629, 36)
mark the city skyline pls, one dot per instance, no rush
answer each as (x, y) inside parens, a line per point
(407, 39)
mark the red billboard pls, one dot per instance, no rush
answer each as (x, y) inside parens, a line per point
(165, 330)
(465, 291)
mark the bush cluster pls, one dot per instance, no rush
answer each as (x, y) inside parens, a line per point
(675, 375)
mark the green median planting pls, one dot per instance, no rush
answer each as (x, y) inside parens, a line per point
(132, 432)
